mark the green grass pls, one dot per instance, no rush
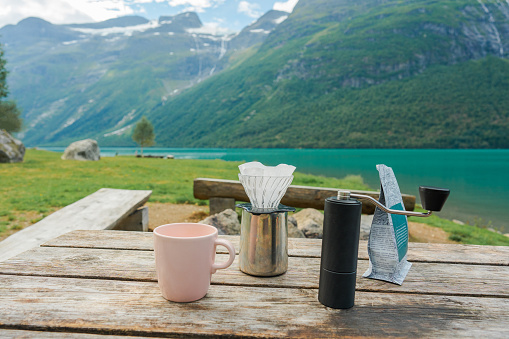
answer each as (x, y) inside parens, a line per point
(466, 234)
(44, 182)
(31, 190)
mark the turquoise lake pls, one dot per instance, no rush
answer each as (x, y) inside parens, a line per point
(478, 179)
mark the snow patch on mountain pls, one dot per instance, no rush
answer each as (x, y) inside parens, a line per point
(128, 31)
(120, 131)
(259, 30)
(283, 18)
(128, 117)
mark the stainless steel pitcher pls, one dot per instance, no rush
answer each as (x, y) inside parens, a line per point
(264, 240)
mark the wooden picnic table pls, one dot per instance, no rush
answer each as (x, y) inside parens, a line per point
(90, 283)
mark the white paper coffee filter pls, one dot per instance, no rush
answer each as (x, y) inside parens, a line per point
(257, 168)
(265, 185)
(252, 168)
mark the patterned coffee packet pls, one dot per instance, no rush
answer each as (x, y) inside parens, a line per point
(388, 238)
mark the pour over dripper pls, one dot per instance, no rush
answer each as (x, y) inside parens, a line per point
(264, 230)
(265, 185)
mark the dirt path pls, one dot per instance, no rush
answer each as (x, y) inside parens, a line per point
(423, 233)
(160, 214)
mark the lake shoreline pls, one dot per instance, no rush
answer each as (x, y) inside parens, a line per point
(477, 177)
(44, 182)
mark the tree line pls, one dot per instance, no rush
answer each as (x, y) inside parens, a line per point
(10, 115)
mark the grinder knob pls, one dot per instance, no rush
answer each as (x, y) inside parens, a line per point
(433, 198)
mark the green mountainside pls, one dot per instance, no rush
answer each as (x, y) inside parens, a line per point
(335, 73)
(412, 74)
(96, 80)
(460, 106)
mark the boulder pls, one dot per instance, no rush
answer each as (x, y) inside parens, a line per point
(11, 149)
(307, 223)
(226, 222)
(293, 230)
(82, 150)
(310, 222)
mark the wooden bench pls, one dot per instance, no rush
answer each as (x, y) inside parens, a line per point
(222, 194)
(106, 209)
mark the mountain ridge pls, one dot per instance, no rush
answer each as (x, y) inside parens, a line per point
(106, 74)
(125, 21)
(308, 67)
(333, 73)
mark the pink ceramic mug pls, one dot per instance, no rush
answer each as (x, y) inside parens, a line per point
(185, 255)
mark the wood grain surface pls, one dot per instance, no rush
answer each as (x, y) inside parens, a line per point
(101, 210)
(23, 334)
(137, 308)
(418, 252)
(295, 196)
(424, 278)
(88, 284)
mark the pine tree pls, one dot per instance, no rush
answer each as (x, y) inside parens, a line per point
(10, 119)
(143, 134)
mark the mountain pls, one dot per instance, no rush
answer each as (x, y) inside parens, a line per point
(32, 31)
(367, 74)
(96, 80)
(178, 23)
(334, 73)
(125, 21)
(258, 31)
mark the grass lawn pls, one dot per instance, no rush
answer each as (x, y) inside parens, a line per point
(466, 234)
(44, 183)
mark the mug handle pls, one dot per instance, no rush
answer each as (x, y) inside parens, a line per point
(231, 251)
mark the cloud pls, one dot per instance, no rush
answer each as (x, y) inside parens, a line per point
(81, 11)
(198, 6)
(62, 11)
(251, 10)
(285, 6)
(213, 28)
(193, 3)
(201, 4)
(194, 9)
(145, 1)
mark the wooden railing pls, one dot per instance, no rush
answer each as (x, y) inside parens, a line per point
(224, 193)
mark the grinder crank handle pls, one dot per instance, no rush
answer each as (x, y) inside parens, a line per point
(432, 199)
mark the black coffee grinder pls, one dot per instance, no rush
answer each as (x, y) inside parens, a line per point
(340, 244)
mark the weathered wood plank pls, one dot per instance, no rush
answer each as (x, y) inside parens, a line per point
(418, 252)
(24, 334)
(137, 221)
(137, 308)
(295, 196)
(424, 278)
(101, 210)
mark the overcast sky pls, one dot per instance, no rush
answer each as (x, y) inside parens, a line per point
(231, 14)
